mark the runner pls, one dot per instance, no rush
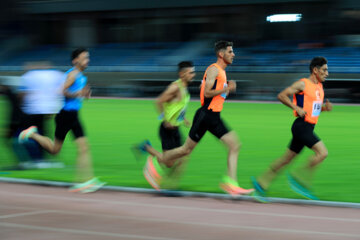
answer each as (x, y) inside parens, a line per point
(307, 104)
(75, 90)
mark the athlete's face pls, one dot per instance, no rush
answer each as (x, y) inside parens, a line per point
(82, 60)
(227, 55)
(321, 73)
(187, 74)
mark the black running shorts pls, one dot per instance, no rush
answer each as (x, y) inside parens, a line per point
(170, 138)
(66, 121)
(207, 120)
(303, 135)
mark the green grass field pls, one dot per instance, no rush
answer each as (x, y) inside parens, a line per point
(113, 126)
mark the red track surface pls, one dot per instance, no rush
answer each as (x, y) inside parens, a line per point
(37, 213)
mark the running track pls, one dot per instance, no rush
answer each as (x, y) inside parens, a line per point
(29, 212)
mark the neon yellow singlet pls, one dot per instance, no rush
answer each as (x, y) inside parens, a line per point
(174, 111)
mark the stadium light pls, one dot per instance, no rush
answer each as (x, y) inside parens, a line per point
(296, 17)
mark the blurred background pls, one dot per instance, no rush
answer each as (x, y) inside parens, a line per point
(135, 45)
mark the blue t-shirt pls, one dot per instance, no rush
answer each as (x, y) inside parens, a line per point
(74, 104)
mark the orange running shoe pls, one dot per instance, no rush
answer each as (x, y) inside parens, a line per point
(153, 172)
(231, 187)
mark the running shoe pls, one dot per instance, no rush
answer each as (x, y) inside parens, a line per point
(260, 193)
(231, 187)
(153, 172)
(25, 134)
(82, 186)
(299, 188)
(139, 150)
(95, 186)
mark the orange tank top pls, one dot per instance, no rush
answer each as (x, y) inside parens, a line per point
(311, 100)
(215, 103)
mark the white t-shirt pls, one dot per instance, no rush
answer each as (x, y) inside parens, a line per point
(43, 91)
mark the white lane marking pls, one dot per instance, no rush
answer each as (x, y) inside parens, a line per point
(184, 207)
(218, 225)
(16, 207)
(25, 214)
(239, 227)
(162, 220)
(85, 232)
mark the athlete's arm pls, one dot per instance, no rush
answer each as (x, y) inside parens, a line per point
(210, 81)
(284, 96)
(70, 79)
(327, 106)
(86, 91)
(168, 95)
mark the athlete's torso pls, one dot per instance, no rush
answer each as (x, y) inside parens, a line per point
(311, 100)
(215, 103)
(174, 111)
(74, 104)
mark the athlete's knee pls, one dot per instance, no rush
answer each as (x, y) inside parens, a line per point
(56, 148)
(323, 154)
(231, 141)
(55, 151)
(169, 164)
(237, 146)
(83, 148)
(234, 145)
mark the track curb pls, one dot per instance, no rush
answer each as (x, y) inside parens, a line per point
(186, 193)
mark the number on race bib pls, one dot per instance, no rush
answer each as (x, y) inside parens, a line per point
(316, 108)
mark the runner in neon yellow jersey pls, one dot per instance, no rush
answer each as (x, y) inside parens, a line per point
(171, 105)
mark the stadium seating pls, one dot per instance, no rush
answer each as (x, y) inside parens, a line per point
(159, 56)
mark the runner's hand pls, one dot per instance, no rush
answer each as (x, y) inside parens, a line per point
(328, 105)
(300, 112)
(85, 92)
(232, 86)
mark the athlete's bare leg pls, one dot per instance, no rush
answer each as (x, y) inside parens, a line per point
(269, 175)
(169, 157)
(178, 167)
(84, 164)
(47, 143)
(231, 141)
(153, 152)
(305, 174)
(320, 154)
(173, 176)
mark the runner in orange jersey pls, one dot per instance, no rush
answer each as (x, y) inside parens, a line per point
(214, 90)
(307, 104)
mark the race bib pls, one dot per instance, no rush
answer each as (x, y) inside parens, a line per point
(316, 110)
(224, 94)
